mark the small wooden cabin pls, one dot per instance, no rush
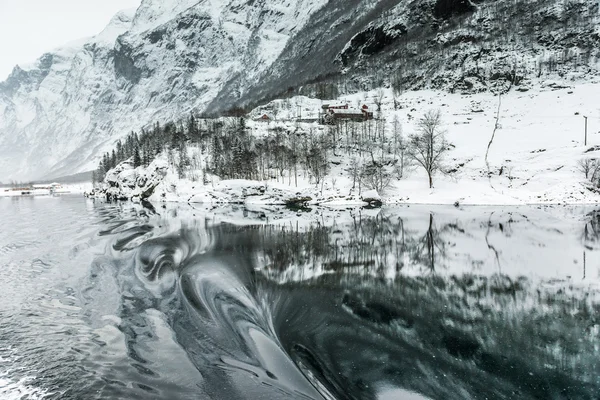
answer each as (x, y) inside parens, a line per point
(264, 118)
(353, 114)
(335, 106)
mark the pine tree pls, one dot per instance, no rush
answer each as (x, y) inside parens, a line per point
(137, 159)
(106, 163)
(146, 156)
(192, 129)
(120, 151)
(113, 159)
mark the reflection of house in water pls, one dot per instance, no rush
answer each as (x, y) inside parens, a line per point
(341, 111)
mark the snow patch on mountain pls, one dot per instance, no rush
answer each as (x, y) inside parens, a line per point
(153, 13)
(118, 25)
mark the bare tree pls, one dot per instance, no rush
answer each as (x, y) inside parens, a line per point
(399, 147)
(355, 171)
(316, 157)
(378, 99)
(496, 126)
(376, 175)
(428, 146)
(397, 83)
(275, 111)
(195, 167)
(587, 166)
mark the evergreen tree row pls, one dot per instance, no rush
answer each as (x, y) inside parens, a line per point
(142, 148)
(229, 150)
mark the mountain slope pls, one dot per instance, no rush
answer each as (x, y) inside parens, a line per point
(171, 57)
(155, 66)
(52, 109)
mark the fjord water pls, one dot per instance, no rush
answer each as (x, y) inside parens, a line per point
(121, 301)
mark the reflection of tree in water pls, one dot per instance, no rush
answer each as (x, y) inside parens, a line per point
(288, 245)
(425, 249)
(484, 336)
(591, 230)
(374, 245)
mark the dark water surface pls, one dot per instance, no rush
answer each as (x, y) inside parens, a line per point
(118, 301)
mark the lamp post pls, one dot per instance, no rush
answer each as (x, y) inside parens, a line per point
(585, 140)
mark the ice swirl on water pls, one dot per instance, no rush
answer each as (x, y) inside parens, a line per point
(218, 291)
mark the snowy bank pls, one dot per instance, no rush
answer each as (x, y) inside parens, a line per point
(75, 188)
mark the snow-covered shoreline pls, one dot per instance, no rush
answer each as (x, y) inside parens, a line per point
(76, 189)
(272, 193)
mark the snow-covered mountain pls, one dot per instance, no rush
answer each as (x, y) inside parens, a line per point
(155, 63)
(170, 57)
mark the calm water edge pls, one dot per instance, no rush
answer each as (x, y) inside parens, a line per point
(125, 301)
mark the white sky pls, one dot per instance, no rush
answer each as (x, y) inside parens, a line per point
(28, 28)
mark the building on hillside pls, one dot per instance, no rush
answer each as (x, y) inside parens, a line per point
(53, 185)
(42, 186)
(367, 111)
(334, 106)
(353, 114)
(264, 118)
(307, 120)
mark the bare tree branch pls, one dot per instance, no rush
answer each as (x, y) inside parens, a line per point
(428, 146)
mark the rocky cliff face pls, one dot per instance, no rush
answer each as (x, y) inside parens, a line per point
(168, 58)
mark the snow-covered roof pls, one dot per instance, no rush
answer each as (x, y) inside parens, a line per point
(338, 104)
(348, 111)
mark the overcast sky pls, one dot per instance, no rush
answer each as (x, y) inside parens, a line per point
(28, 28)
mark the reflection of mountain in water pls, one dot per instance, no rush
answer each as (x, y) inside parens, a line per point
(365, 306)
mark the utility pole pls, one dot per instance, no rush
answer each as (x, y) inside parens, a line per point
(585, 141)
